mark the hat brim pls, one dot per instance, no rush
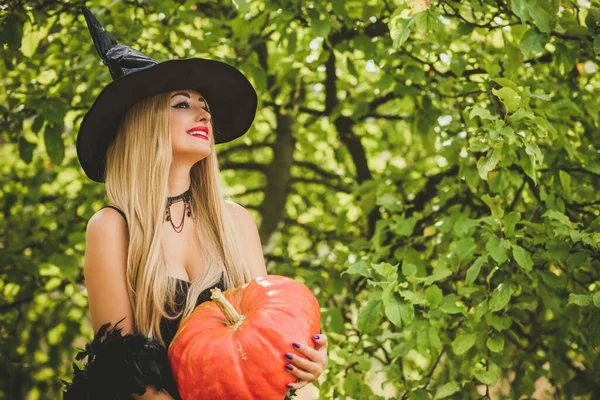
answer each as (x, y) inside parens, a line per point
(231, 98)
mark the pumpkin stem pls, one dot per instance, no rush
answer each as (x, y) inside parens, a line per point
(234, 318)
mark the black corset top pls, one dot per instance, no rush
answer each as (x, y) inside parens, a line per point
(168, 328)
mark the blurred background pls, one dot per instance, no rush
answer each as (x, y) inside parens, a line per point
(430, 169)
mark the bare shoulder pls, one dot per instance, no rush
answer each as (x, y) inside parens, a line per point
(105, 265)
(240, 214)
(251, 243)
(106, 221)
(235, 208)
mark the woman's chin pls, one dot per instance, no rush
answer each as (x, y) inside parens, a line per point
(190, 156)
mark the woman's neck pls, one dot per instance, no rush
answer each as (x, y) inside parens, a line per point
(178, 186)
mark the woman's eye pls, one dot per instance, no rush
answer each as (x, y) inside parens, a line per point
(205, 108)
(183, 102)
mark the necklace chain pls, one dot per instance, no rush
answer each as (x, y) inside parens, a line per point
(186, 198)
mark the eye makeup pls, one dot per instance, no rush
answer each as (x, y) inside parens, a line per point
(200, 99)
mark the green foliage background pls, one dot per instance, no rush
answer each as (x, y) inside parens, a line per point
(429, 169)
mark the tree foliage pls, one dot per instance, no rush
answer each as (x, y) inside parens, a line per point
(430, 169)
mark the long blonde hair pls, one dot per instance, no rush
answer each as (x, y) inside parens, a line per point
(137, 172)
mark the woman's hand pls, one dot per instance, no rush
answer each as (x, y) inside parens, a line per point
(308, 370)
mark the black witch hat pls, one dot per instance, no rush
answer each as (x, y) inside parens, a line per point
(136, 76)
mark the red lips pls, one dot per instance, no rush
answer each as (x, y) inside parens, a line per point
(198, 128)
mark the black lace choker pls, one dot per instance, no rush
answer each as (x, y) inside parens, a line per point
(185, 197)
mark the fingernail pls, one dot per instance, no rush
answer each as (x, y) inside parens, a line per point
(288, 356)
(316, 337)
(289, 385)
(296, 345)
(289, 367)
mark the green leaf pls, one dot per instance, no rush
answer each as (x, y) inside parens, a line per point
(487, 377)
(335, 320)
(427, 21)
(369, 316)
(501, 296)
(386, 270)
(391, 302)
(418, 394)
(434, 296)
(399, 26)
(480, 309)
(464, 249)
(319, 23)
(489, 162)
(565, 181)
(519, 7)
(522, 257)
(448, 389)
(405, 227)
(509, 221)
(463, 342)
(533, 42)
(597, 45)
(507, 83)
(241, 5)
(495, 343)
(560, 217)
(38, 123)
(396, 309)
(500, 323)
(528, 163)
(55, 146)
(435, 342)
(596, 299)
(413, 297)
(361, 267)
(509, 98)
(540, 16)
(473, 271)
(26, 149)
(496, 249)
(409, 269)
(520, 114)
(495, 205)
(581, 300)
(437, 275)
(482, 113)
(31, 39)
(529, 9)
(11, 31)
(449, 305)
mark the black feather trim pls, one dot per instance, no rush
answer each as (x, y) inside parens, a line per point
(119, 366)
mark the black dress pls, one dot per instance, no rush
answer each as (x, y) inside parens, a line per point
(168, 328)
(119, 365)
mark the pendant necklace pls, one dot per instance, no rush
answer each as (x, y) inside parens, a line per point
(185, 197)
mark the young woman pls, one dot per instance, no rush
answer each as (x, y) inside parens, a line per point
(169, 236)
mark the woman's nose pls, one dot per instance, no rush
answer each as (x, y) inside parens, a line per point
(204, 115)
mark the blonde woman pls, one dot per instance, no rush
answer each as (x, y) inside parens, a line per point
(169, 236)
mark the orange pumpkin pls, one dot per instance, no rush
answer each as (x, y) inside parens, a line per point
(232, 347)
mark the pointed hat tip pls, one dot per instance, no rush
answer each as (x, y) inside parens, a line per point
(102, 40)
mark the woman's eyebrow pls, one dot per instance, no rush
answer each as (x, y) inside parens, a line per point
(188, 96)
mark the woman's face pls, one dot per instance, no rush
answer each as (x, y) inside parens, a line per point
(191, 127)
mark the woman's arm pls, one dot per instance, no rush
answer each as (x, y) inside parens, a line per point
(120, 362)
(104, 269)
